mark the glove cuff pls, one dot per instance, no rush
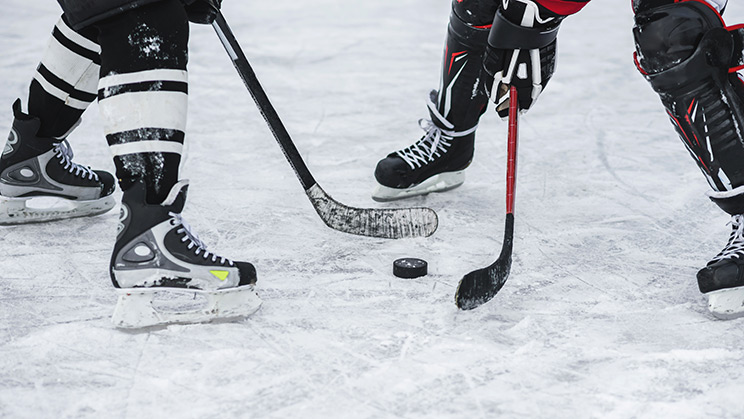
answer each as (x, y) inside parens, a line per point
(507, 35)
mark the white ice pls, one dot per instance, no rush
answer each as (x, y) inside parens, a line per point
(601, 316)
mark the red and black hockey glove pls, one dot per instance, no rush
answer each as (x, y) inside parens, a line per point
(202, 11)
(521, 52)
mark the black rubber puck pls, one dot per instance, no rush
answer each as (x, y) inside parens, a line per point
(410, 268)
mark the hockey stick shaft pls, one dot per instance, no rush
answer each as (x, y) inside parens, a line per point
(262, 101)
(511, 151)
(391, 223)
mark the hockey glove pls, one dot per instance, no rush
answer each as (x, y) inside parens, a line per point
(202, 11)
(520, 52)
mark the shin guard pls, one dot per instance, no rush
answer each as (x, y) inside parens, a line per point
(462, 97)
(690, 59)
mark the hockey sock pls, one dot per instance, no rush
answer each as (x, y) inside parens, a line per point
(142, 93)
(65, 82)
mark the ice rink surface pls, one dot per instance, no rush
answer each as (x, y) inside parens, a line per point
(600, 318)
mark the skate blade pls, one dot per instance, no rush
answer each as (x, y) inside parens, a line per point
(726, 304)
(43, 209)
(439, 183)
(145, 307)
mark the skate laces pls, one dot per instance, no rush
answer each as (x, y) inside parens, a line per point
(435, 142)
(735, 246)
(194, 240)
(64, 152)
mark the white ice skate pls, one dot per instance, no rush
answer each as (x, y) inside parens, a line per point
(165, 274)
(722, 281)
(40, 182)
(434, 163)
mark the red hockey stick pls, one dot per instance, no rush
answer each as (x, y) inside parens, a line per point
(479, 286)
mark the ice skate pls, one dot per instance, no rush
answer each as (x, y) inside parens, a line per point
(722, 280)
(40, 182)
(163, 272)
(435, 163)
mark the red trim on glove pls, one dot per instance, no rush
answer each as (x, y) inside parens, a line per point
(563, 7)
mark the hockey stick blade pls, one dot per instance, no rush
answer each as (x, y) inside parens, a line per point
(389, 223)
(480, 286)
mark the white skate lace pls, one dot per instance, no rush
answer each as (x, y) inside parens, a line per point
(64, 152)
(194, 242)
(735, 246)
(434, 143)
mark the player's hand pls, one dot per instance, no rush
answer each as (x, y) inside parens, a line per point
(520, 54)
(202, 11)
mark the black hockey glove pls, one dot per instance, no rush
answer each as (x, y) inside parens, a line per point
(521, 53)
(202, 11)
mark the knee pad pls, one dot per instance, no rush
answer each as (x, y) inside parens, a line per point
(689, 57)
(669, 34)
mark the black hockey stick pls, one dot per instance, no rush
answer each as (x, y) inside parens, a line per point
(479, 286)
(391, 223)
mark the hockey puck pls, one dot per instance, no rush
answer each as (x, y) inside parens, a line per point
(409, 268)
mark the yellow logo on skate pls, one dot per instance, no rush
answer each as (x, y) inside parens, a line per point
(222, 275)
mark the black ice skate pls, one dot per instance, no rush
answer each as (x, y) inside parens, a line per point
(722, 280)
(435, 163)
(156, 251)
(41, 169)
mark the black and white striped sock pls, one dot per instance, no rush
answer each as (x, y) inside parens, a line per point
(144, 115)
(143, 93)
(66, 80)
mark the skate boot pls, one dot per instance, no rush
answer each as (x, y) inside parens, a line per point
(435, 163)
(722, 280)
(41, 169)
(157, 255)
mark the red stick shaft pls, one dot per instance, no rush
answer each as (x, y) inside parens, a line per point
(511, 151)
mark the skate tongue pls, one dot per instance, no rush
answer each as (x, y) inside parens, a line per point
(64, 151)
(177, 196)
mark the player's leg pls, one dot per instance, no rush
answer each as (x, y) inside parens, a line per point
(37, 159)
(143, 99)
(436, 162)
(690, 58)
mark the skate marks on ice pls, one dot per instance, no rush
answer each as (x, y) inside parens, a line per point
(337, 336)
